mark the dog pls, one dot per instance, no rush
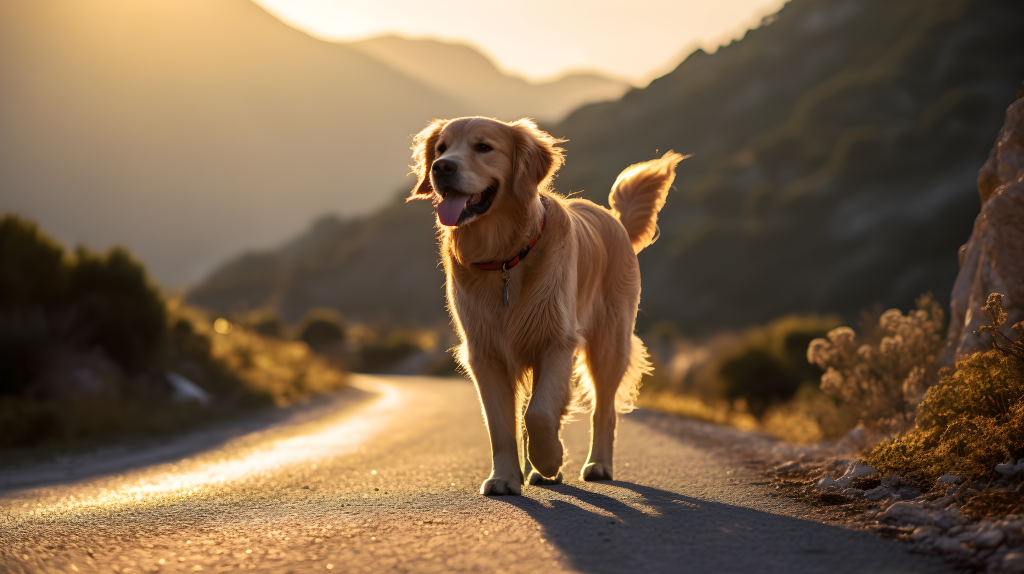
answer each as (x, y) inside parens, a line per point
(542, 289)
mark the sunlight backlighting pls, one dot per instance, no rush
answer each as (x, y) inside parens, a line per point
(637, 41)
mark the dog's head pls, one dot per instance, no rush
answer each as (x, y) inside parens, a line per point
(470, 167)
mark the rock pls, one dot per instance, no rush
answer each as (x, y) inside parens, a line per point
(788, 466)
(853, 492)
(1013, 563)
(185, 390)
(908, 493)
(855, 470)
(1010, 469)
(990, 262)
(948, 545)
(925, 531)
(950, 479)
(907, 512)
(828, 483)
(989, 538)
(947, 519)
(879, 493)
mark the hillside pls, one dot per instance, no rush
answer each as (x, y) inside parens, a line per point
(835, 153)
(378, 268)
(468, 77)
(191, 130)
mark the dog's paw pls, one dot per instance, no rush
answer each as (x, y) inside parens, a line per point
(497, 486)
(537, 480)
(596, 471)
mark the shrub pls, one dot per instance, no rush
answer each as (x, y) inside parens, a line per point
(973, 419)
(33, 271)
(883, 381)
(321, 328)
(117, 306)
(768, 366)
(48, 300)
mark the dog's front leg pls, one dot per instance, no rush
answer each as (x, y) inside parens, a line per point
(497, 394)
(551, 394)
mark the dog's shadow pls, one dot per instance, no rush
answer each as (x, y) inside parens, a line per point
(616, 526)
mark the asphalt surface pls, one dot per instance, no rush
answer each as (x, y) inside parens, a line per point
(386, 479)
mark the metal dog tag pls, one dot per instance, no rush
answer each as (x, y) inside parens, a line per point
(506, 274)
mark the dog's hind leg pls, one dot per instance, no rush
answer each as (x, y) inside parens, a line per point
(552, 391)
(607, 358)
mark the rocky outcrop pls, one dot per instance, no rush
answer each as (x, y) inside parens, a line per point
(992, 261)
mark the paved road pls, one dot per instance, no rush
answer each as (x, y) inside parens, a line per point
(387, 481)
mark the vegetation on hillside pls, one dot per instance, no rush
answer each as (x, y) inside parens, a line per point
(90, 348)
(973, 419)
(757, 380)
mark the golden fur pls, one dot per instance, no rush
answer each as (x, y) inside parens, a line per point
(566, 336)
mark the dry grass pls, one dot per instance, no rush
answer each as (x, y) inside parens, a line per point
(284, 371)
(694, 407)
(883, 380)
(973, 419)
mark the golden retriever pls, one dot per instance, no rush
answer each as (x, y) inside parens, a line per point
(543, 290)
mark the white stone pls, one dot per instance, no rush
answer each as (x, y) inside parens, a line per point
(879, 492)
(185, 390)
(1008, 469)
(828, 483)
(950, 478)
(907, 512)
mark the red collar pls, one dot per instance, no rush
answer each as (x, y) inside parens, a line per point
(506, 265)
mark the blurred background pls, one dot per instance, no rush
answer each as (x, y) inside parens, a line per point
(242, 164)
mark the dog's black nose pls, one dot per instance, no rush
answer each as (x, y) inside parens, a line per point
(444, 167)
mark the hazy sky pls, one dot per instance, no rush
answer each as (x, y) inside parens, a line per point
(538, 39)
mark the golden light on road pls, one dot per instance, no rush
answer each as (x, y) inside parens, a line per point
(333, 439)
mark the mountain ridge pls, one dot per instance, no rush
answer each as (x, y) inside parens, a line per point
(834, 158)
(194, 129)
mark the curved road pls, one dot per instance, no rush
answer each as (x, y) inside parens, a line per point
(387, 481)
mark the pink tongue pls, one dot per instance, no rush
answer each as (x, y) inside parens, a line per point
(449, 210)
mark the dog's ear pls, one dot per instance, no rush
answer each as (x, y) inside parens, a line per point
(423, 146)
(537, 155)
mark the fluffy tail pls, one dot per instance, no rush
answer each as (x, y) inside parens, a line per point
(638, 195)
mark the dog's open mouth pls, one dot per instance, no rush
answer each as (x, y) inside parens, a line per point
(456, 208)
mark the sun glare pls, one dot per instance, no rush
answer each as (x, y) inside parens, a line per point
(538, 39)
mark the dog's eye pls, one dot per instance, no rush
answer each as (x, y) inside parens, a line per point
(482, 147)
(441, 148)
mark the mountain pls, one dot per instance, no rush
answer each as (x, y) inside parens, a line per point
(381, 268)
(468, 77)
(189, 130)
(835, 151)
